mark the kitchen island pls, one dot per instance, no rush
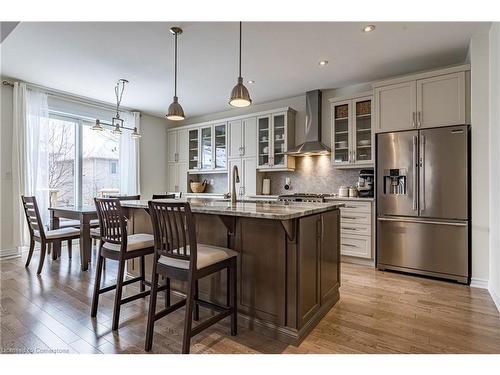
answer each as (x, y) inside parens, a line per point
(288, 262)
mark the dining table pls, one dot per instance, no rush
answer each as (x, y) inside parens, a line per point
(83, 214)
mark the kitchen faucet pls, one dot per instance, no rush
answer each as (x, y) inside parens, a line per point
(236, 179)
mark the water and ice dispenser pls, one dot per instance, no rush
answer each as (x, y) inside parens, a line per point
(395, 181)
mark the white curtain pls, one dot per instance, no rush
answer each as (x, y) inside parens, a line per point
(30, 156)
(129, 156)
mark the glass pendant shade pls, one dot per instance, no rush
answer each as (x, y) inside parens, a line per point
(135, 134)
(97, 127)
(175, 111)
(239, 95)
(117, 130)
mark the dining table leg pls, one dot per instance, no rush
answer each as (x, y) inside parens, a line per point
(56, 245)
(85, 242)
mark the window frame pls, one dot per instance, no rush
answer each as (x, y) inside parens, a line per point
(79, 122)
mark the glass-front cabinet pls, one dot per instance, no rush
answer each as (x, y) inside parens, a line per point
(207, 148)
(194, 147)
(220, 159)
(352, 132)
(276, 133)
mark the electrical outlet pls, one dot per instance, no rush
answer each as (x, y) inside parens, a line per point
(211, 182)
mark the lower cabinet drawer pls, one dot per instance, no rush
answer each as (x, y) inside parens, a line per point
(356, 246)
(355, 217)
(356, 229)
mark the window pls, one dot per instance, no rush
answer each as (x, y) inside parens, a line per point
(114, 166)
(83, 164)
(61, 161)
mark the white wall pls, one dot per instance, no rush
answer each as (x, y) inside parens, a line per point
(479, 58)
(153, 150)
(494, 253)
(152, 155)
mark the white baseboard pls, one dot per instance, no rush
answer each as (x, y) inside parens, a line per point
(478, 283)
(495, 297)
(10, 253)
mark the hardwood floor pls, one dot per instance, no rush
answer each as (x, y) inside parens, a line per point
(379, 312)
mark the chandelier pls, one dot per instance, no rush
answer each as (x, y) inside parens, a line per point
(117, 121)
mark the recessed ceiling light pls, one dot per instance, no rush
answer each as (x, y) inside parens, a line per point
(251, 81)
(368, 28)
(323, 62)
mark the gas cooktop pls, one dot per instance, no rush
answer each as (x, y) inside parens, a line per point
(303, 197)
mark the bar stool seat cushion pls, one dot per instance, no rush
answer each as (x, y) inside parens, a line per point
(59, 233)
(134, 242)
(206, 256)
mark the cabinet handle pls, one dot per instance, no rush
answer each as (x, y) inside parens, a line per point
(349, 228)
(354, 156)
(413, 120)
(348, 217)
(242, 150)
(348, 245)
(419, 123)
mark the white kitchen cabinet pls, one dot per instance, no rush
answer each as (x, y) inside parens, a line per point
(356, 228)
(441, 100)
(352, 132)
(275, 134)
(395, 107)
(177, 145)
(248, 176)
(177, 177)
(242, 138)
(425, 100)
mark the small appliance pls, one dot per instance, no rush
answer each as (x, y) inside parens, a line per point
(365, 183)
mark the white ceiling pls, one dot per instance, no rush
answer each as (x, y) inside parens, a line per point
(86, 58)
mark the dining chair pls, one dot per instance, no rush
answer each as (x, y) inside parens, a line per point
(177, 255)
(45, 237)
(115, 244)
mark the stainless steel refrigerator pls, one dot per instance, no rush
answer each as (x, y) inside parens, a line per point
(423, 202)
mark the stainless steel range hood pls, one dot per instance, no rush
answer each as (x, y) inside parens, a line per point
(312, 144)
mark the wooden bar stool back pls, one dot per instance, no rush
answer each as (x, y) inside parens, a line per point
(117, 245)
(178, 256)
(39, 234)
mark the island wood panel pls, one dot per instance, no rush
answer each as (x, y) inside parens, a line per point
(262, 268)
(330, 261)
(309, 253)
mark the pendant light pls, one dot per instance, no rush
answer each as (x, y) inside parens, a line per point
(175, 111)
(239, 95)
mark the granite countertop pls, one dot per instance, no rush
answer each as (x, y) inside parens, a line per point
(263, 210)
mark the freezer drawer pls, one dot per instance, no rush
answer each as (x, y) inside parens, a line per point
(425, 247)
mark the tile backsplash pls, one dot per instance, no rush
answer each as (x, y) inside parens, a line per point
(217, 182)
(313, 174)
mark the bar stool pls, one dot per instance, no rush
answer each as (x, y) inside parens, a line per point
(179, 256)
(39, 234)
(115, 244)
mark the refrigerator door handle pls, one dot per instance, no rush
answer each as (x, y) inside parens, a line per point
(414, 173)
(417, 221)
(422, 173)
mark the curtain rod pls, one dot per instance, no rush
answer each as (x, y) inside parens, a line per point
(70, 97)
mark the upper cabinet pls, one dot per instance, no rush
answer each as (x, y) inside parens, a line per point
(177, 140)
(242, 138)
(207, 148)
(352, 132)
(421, 101)
(275, 135)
